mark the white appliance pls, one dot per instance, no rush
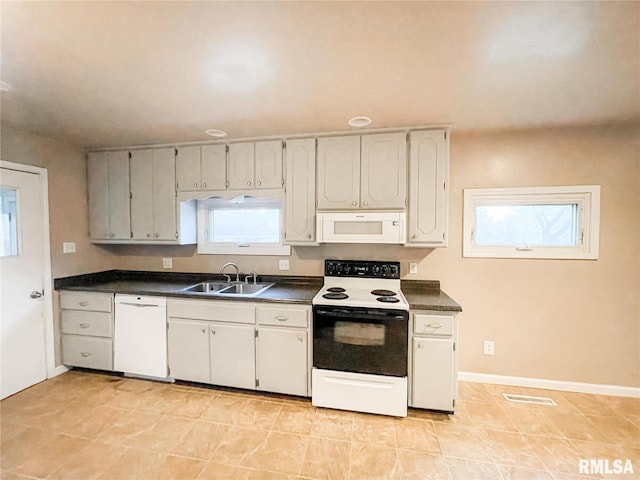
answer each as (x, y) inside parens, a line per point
(140, 336)
(360, 338)
(361, 227)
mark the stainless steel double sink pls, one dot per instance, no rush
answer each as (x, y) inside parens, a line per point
(231, 289)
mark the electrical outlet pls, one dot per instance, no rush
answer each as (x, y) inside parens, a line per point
(284, 264)
(167, 263)
(413, 267)
(489, 347)
(68, 247)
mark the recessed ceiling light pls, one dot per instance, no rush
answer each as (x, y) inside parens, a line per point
(359, 121)
(214, 132)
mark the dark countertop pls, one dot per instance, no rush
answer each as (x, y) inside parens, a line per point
(422, 295)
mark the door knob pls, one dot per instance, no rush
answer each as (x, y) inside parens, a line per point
(36, 294)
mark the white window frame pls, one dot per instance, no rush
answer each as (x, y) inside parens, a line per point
(205, 246)
(587, 197)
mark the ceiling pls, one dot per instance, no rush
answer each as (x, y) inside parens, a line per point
(107, 74)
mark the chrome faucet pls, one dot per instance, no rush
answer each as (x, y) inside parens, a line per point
(228, 277)
(253, 275)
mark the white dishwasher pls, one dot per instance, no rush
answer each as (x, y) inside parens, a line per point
(140, 336)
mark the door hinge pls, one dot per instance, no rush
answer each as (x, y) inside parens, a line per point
(257, 383)
(284, 144)
(454, 346)
(453, 403)
(130, 195)
(130, 234)
(176, 235)
(175, 150)
(129, 155)
(227, 148)
(168, 370)
(256, 334)
(445, 134)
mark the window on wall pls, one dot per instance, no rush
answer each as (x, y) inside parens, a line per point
(242, 226)
(8, 222)
(543, 222)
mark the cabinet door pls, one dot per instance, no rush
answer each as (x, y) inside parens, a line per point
(300, 191)
(188, 350)
(233, 357)
(108, 185)
(142, 194)
(164, 194)
(433, 373)
(119, 191)
(214, 167)
(282, 361)
(338, 173)
(268, 164)
(188, 169)
(383, 163)
(240, 166)
(428, 202)
(98, 186)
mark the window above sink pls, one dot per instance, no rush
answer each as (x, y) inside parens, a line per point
(243, 225)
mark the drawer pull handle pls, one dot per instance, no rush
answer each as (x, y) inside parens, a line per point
(84, 325)
(83, 304)
(282, 318)
(85, 354)
(432, 325)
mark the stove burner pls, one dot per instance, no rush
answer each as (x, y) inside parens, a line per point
(388, 299)
(383, 293)
(335, 289)
(335, 296)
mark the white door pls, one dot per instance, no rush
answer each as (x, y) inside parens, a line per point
(22, 344)
(233, 355)
(282, 360)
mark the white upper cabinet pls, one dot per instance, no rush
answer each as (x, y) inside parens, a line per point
(255, 165)
(428, 188)
(108, 184)
(383, 171)
(300, 191)
(201, 168)
(362, 172)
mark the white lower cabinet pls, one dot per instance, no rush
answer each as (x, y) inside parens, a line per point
(282, 360)
(232, 353)
(434, 361)
(240, 344)
(188, 350)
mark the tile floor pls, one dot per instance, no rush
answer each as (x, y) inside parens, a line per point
(84, 425)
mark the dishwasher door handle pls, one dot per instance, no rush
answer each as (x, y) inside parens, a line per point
(132, 304)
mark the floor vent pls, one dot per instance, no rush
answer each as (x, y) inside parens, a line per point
(528, 399)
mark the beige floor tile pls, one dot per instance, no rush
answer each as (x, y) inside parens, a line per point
(163, 436)
(485, 415)
(462, 469)
(616, 429)
(7, 475)
(219, 471)
(259, 414)
(417, 435)
(237, 443)
(89, 462)
(128, 423)
(373, 462)
(557, 454)
(589, 404)
(280, 452)
(193, 405)
(224, 409)
(162, 401)
(516, 472)
(335, 424)
(509, 448)
(463, 442)
(375, 429)
(475, 392)
(143, 464)
(326, 459)
(419, 465)
(295, 418)
(200, 441)
(610, 451)
(533, 421)
(577, 427)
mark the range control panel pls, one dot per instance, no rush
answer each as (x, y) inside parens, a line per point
(360, 268)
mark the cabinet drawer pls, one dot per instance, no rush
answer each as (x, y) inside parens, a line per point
(97, 324)
(97, 302)
(289, 317)
(234, 312)
(88, 352)
(433, 325)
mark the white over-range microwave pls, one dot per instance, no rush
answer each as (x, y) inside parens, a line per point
(361, 227)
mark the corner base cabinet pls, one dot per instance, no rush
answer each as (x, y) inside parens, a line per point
(433, 382)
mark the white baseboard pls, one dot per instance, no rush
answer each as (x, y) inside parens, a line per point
(595, 388)
(59, 370)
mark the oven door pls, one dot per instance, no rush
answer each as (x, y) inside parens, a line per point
(360, 340)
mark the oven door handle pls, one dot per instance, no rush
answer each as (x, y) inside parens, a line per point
(358, 316)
